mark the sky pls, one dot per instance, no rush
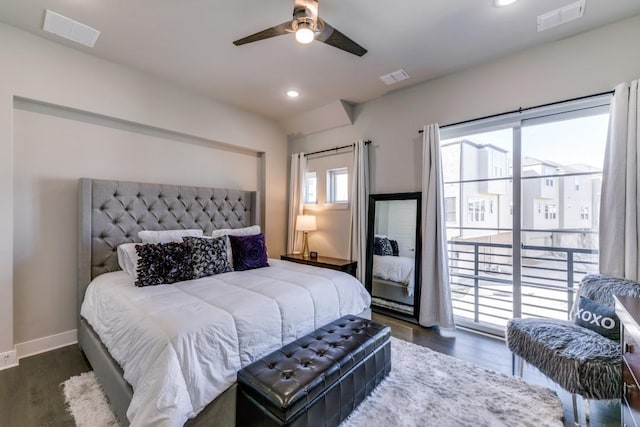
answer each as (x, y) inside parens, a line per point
(567, 142)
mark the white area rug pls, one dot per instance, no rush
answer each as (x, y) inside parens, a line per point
(424, 388)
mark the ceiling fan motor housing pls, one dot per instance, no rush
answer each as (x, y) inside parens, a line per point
(305, 14)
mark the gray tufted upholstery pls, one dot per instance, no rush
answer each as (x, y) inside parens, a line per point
(112, 213)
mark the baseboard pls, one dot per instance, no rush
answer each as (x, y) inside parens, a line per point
(41, 345)
(8, 360)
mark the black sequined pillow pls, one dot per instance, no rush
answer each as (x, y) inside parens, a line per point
(163, 263)
(208, 256)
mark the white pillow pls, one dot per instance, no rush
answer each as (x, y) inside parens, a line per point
(128, 259)
(245, 231)
(167, 236)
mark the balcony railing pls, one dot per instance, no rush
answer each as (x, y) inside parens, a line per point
(482, 282)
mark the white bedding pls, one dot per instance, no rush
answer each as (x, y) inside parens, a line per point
(181, 345)
(395, 268)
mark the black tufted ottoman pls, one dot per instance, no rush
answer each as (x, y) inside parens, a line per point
(318, 379)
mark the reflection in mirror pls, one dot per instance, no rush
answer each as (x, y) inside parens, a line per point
(393, 252)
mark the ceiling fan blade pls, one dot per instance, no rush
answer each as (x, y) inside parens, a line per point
(335, 38)
(278, 30)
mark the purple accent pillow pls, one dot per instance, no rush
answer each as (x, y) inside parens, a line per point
(163, 263)
(249, 252)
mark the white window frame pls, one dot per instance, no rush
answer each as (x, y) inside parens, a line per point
(332, 183)
(307, 176)
(448, 212)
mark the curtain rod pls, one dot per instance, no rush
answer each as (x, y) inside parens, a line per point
(520, 110)
(367, 142)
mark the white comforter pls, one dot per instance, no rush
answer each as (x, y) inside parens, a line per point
(181, 345)
(395, 268)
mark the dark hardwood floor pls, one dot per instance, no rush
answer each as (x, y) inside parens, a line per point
(30, 395)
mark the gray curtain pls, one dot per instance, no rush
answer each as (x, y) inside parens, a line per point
(435, 299)
(296, 201)
(359, 200)
(620, 199)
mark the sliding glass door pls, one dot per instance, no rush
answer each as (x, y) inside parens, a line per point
(521, 203)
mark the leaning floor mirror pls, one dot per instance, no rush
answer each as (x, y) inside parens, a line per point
(393, 253)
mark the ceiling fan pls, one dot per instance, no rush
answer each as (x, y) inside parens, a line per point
(307, 27)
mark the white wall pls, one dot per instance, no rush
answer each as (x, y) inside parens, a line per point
(586, 64)
(45, 72)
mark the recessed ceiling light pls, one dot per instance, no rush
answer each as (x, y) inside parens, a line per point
(293, 93)
(502, 3)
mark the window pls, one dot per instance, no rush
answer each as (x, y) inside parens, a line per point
(476, 210)
(550, 211)
(450, 209)
(310, 188)
(337, 185)
(518, 176)
(584, 212)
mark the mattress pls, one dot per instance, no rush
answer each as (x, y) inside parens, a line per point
(181, 345)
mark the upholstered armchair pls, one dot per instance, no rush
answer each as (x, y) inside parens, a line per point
(580, 360)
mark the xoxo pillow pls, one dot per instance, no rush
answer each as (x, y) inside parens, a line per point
(599, 318)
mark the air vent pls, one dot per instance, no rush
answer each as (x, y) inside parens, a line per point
(561, 16)
(394, 77)
(69, 29)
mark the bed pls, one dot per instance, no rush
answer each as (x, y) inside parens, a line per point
(111, 213)
(393, 276)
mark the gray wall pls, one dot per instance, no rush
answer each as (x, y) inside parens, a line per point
(582, 65)
(43, 150)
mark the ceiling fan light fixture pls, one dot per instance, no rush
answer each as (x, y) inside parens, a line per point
(503, 3)
(304, 33)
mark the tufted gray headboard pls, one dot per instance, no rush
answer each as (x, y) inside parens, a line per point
(112, 213)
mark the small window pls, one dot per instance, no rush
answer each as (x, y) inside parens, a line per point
(310, 188)
(584, 212)
(337, 186)
(450, 209)
(549, 182)
(550, 211)
(577, 183)
(476, 210)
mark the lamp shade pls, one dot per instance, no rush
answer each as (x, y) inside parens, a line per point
(306, 223)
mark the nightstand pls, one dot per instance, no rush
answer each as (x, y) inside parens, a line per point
(346, 265)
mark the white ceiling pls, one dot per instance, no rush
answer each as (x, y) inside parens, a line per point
(189, 42)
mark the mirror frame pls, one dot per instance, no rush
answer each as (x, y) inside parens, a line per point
(373, 198)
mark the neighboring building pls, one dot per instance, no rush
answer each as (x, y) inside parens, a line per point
(480, 205)
(477, 205)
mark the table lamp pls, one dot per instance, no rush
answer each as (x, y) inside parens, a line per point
(306, 223)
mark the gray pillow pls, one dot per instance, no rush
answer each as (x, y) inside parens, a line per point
(208, 256)
(599, 318)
